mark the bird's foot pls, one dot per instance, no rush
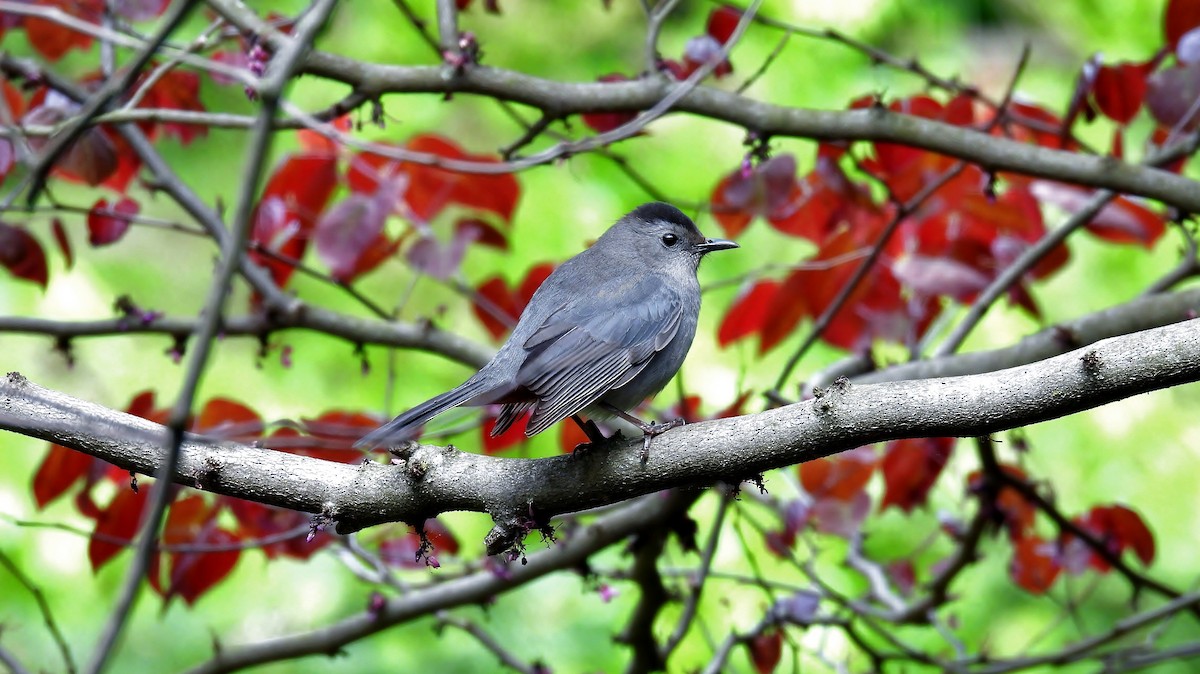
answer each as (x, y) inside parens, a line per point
(603, 442)
(653, 430)
(595, 436)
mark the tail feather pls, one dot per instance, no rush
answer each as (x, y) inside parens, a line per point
(404, 427)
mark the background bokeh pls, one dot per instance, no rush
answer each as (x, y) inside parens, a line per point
(1141, 451)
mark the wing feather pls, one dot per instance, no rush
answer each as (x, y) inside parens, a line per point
(592, 345)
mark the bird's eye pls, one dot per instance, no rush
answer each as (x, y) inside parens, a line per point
(670, 239)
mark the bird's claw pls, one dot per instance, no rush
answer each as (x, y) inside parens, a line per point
(653, 430)
(584, 447)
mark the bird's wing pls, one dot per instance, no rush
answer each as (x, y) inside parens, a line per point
(596, 343)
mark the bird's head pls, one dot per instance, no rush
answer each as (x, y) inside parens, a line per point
(662, 236)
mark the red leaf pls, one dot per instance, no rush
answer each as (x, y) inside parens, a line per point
(117, 525)
(316, 143)
(498, 307)
(700, 50)
(748, 313)
(192, 520)
(840, 518)
(905, 169)
(1035, 564)
(1016, 511)
(427, 190)
(495, 307)
(22, 255)
(722, 21)
(874, 310)
(381, 250)
(767, 189)
(1119, 91)
(1126, 221)
(64, 243)
(258, 521)
(52, 39)
(142, 405)
(817, 204)
(840, 477)
(92, 158)
(431, 257)
(176, 90)
(1121, 221)
(910, 469)
(228, 420)
(331, 436)
(305, 182)
(60, 469)
(1179, 17)
(107, 224)
(484, 234)
(932, 276)
(294, 197)
(766, 649)
(1120, 529)
(194, 573)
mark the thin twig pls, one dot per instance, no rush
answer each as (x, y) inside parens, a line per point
(507, 658)
(233, 249)
(447, 18)
(44, 608)
(822, 323)
(1013, 273)
(655, 17)
(699, 579)
(98, 101)
(419, 24)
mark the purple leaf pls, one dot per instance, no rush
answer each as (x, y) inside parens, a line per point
(345, 231)
(430, 257)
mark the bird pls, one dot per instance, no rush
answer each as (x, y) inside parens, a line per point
(606, 330)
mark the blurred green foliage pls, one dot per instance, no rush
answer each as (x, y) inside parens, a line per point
(1140, 451)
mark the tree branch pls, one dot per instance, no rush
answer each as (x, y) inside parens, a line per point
(438, 479)
(476, 588)
(992, 153)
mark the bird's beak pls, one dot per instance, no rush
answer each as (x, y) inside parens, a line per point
(710, 245)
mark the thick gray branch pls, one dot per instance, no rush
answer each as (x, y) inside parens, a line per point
(438, 479)
(558, 99)
(476, 588)
(1142, 313)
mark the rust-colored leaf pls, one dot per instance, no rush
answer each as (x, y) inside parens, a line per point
(1180, 17)
(117, 525)
(748, 313)
(1035, 564)
(766, 649)
(910, 469)
(1119, 91)
(108, 223)
(61, 468)
(22, 255)
(841, 477)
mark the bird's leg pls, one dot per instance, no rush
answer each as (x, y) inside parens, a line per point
(590, 429)
(650, 430)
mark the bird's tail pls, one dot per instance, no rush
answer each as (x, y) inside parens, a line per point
(404, 427)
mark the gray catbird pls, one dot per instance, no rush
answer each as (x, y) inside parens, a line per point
(606, 330)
